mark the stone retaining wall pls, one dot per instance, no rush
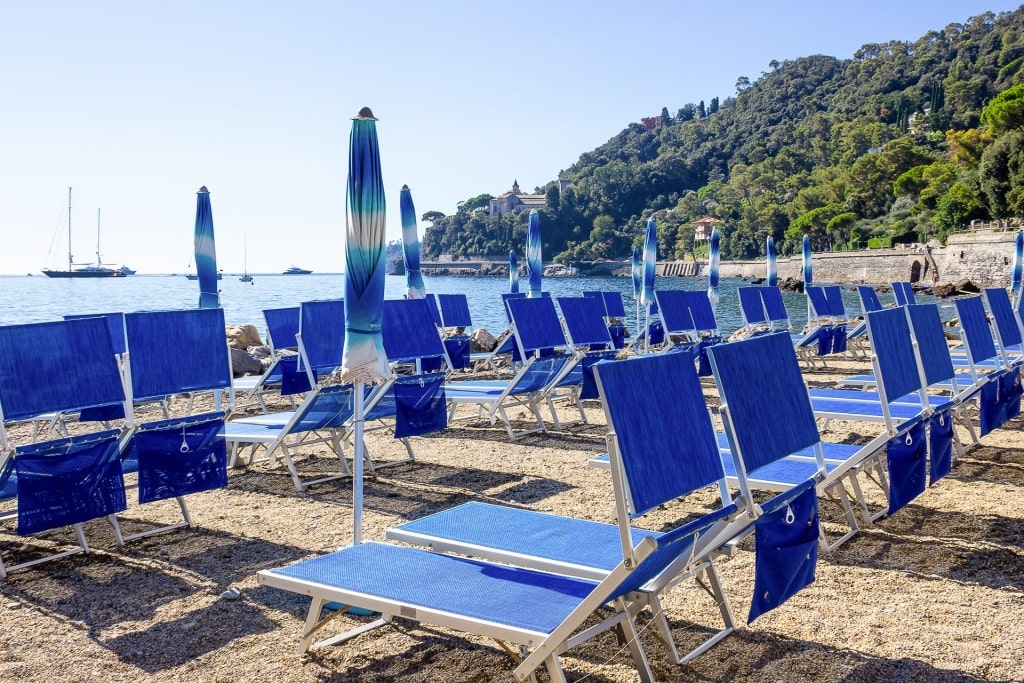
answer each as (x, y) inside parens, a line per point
(982, 257)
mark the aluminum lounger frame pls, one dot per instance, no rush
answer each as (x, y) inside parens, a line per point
(287, 431)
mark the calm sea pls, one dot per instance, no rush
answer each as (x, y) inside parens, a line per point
(38, 298)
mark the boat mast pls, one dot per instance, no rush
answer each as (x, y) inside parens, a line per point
(98, 260)
(70, 259)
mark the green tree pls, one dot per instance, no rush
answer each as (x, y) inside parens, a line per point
(1006, 110)
(1001, 175)
(955, 208)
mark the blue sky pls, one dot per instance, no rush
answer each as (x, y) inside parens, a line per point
(137, 104)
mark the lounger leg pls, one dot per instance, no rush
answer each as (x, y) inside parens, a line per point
(184, 511)
(118, 536)
(554, 670)
(643, 667)
(312, 624)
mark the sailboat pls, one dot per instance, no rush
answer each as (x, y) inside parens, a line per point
(90, 270)
(245, 262)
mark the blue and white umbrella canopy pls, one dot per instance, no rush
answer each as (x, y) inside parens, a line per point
(513, 273)
(363, 359)
(415, 289)
(650, 263)
(637, 272)
(1017, 272)
(773, 272)
(714, 259)
(206, 253)
(808, 269)
(534, 260)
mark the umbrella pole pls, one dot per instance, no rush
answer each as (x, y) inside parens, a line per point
(357, 467)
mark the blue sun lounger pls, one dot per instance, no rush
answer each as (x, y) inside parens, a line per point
(538, 334)
(651, 465)
(282, 330)
(904, 293)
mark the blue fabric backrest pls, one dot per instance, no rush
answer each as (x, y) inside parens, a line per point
(834, 297)
(537, 325)
(329, 407)
(904, 293)
(282, 326)
(613, 306)
(774, 306)
(409, 331)
(171, 352)
(454, 310)
(700, 310)
(435, 313)
(819, 304)
(889, 332)
(57, 366)
(115, 323)
(661, 424)
(599, 295)
(675, 313)
(971, 312)
(869, 300)
(759, 378)
(931, 342)
(584, 319)
(1002, 314)
(752, 305)
(322, 326)
(505, 297)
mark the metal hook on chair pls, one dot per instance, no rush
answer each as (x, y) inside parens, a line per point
(909, 439)
(184, 441)
(790, 517)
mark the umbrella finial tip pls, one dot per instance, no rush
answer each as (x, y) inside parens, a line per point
(405, 187)
(203, 189)
(365, 113)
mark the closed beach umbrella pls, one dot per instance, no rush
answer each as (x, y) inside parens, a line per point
(206, 254)
(534, 260)
(513, 273)
(714, 257)
(637, 271)
(808, 270)
(773, 274)
(1017, 273)
(650, 263)
(415, 289)
(363, 359)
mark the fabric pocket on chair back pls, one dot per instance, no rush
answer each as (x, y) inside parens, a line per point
(906, 454)
(68, 481)
(178, 458)
(420, 405)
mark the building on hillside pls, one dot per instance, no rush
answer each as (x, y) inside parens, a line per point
(702, 228)
(651, 122)
(515, 200)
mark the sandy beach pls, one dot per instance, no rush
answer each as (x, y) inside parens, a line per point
(934, 593)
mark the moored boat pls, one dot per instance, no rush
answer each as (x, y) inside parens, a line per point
(295, 270)
(92, 270)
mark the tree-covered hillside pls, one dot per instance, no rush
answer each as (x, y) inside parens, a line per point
(902, 143)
